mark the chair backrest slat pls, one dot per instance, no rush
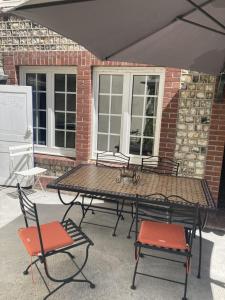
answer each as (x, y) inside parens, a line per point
(160, 165)
(111, 159)
(29, 211)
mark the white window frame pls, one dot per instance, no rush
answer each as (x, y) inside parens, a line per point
(128, 73)
(50, 107)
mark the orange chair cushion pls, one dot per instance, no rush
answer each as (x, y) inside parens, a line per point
(162, 235)
(54, 236)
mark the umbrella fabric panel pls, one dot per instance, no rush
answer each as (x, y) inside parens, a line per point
(104, 26)
(142, 31)
(199, 50)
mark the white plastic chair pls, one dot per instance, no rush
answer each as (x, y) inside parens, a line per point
(26, 153)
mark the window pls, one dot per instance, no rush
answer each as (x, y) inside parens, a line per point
(54, 108)
(128, 105)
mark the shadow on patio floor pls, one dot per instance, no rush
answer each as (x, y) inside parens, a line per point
(110, 266)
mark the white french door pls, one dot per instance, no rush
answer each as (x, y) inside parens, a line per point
(127, 110)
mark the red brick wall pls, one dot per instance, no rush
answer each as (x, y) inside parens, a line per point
(216, 147)
(84, 61)
(84, 113)
(169, 113)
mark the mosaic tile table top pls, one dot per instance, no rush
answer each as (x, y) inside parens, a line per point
(98, 180)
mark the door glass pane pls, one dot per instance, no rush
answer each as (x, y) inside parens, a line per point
(103, 123)
(70, 121)
(42, 137)
(41, 82)
(31, 80)
(148, 127)
(42, 119)
(116, 105)
(114, 142)
(60, 82)
(59, 101)
(103, 104)
(139, 85)
(117, 84)
(115, 124)
(152, 85)
(147, 148)
(104, 83)
(71, 102)
(41, 100)
(70, 140)
(135, 145)
(59, 120)
(102, 142)
(137, 106)
(136, 126)
(38, 83)
(151, 106)
(65, 110)
(71, 83)
(59, 138)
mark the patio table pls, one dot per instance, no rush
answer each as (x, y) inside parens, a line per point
(101, 181)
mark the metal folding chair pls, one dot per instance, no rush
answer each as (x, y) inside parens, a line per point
(111, 160)
(45, 240)
(158, 211)
(158, 165)
(170, 229)
(21, 157)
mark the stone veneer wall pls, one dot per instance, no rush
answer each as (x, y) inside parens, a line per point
(22, 35)
(193, 122)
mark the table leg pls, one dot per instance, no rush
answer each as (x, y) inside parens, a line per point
(70, 204)
(118, 218)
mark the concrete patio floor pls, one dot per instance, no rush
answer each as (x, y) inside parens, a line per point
(111, 261)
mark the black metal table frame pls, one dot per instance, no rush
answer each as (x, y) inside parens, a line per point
(203, 215)
(110, 195)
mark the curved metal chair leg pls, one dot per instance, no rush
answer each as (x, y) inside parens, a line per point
(25, 272)
(186, 279)
(133, 287)
(69, 278)
(68, 253)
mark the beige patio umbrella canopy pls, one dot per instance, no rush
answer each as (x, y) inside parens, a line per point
(175, 33)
